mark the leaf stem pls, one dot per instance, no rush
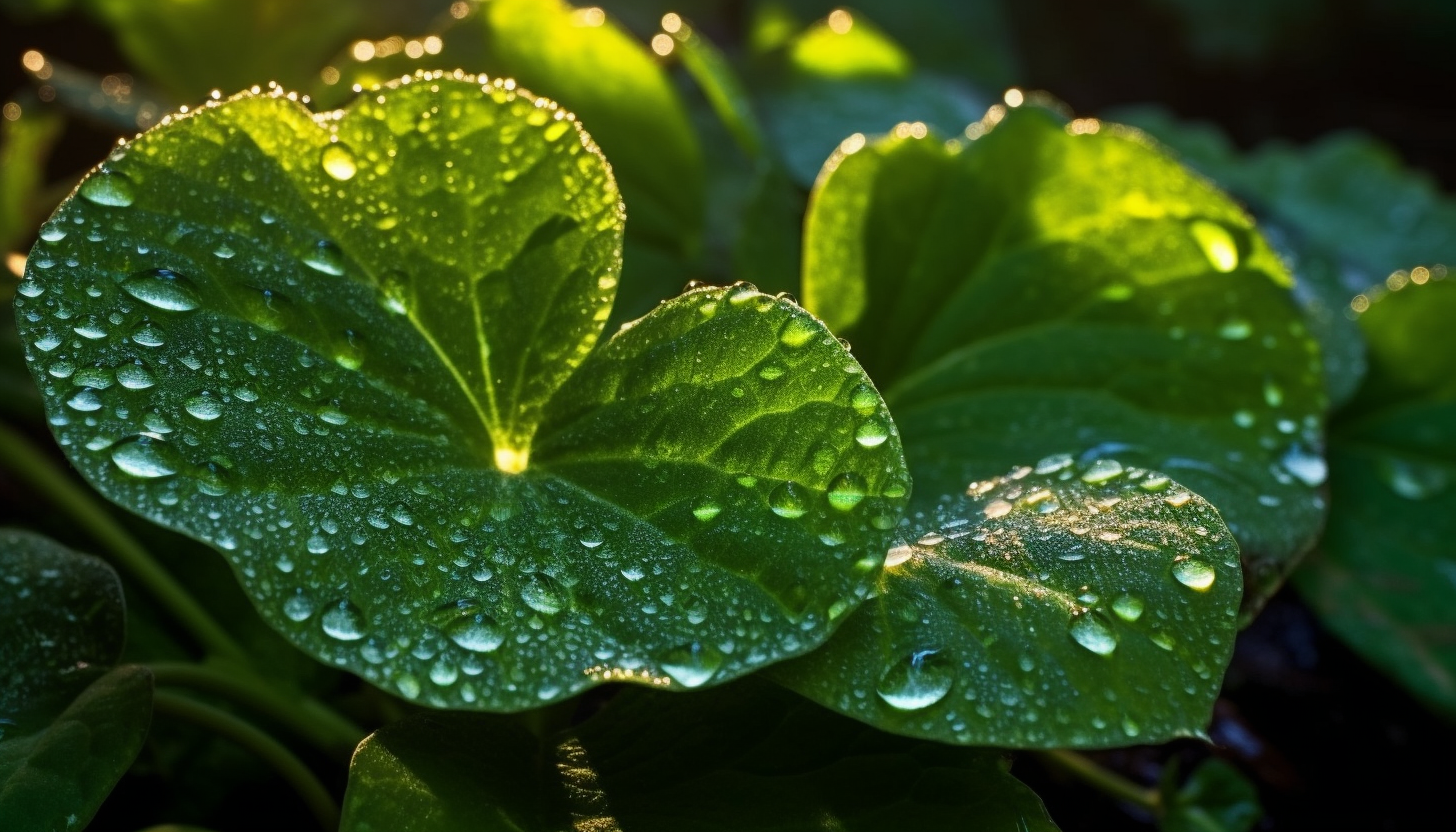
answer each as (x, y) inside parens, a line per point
(330, 732)
(1107, 782)
(37, 470)
(298, 775)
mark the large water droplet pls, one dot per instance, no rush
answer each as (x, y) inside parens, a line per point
(864, 400)
(325, 257)
(108, 188)
(1128, 607)
(797, 331)
(1413, 480)
(147, 334)
(918, 681)
(470, 627)
(1217, 244)
(338, 161)
(85, 401)
(203, 405)
(1235, 329)
(1101, 471)
(706, 510)
(691, 665)
(146, 457)
(1194, 574)
(164, 289)
(1309, 468)
(394, 292)
(846, 491)
(789, 500)
(543, 593)
(343, 621)
(135, 376)
(298, 607)
(872, 433)
(1093, 633)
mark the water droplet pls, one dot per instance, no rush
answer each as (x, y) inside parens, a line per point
(1093, 633)
(872, 434)
(918, 681)
(1273, 395)
(1053, 463)
(797, 331)
(325, 257)
(1309, 468)
(706, 510)
(846, 491)
(268, 309)
(298, 607)
(789, 500)
(215, 479)
(1235, 329)
(691, 665)
(146, 457)
(147, 334)
(85, 401)
(53, 233)
(1413, 480)
(135, 376)
(741, 293)
(470, 627)
(343, 621)
(224, 252)
(164, 289)
(1128, 607)
(1217, 244)
(864, 400)
(1101, 471)
(338, 161)
(771, 372)
(444, 673)
(394, 292)
(203, 405)
(543, 593)
(1194, 574)
(1244, 418)
(108, 188)
(408, 685)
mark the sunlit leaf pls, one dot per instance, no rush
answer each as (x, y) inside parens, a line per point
(1063, 606)
(354, 353)
(1052, 288)
(742, 757)
(1384, 579)
(68, 728)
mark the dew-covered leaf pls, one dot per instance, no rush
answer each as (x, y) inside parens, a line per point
(68, 728)
(1060, 606)
(747, 756)
(1216, 798)
(351, 352)
(1384, 579)
(1052, 288)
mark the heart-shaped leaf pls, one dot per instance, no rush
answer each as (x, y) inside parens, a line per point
(352, 352)
(68, 728)
(1062, 606)
(1384, 579)
(747, 756)
(1058, 286)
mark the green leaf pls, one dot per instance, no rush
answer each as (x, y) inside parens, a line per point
(1052, 288)
(843, 76)
(1384, 579)
(68, 728)
(25, 143)
(1069, 605)
(611, 82)
(1216, 798)
(720, 84)
(742, 757)
(351, 352)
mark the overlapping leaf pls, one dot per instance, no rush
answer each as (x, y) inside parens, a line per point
(353, 352)
(68, 728)
(742, 757)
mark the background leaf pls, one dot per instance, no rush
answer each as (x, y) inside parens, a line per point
(1063, 606)
(1216, 798)
(68, 728)
(1053, 288)
(394, 324)
(747, 756)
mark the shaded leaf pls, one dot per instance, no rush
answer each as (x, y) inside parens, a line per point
(1052, 288)
(1384, 579)
(1063, 606)
(747, 756)
(353, 353)
(68, 728)
(1216, 798)
(25, 144)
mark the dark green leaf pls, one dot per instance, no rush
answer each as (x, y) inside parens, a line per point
(743, 757)
(1216, 798)
(1063, 606)
(720, 85)
(1052, 288)
(1385, 577)
(68, 728)
(352, 353)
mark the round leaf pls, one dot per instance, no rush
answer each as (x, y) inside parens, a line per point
(351, 352)
(1067, 605)
(1048, 287)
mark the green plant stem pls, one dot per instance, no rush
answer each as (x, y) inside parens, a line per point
(45, 476)
(298, 775)
(327, 730)
(1105, 781)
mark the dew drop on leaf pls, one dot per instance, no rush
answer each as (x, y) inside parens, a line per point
(163, 289)
(1194, 574)
(789, 500)
(203, 405)
(1128, 607)
(1309, 468)
(343, 621)
(325, 257)
(1101, 471)
(691, 665)
(1217, 244)
(338, 161)
(1413, 480)
(543, 593)
(706, 510)
(471, 628)
(1090, 631)
(871, 434)
(107, 188)
(847, 490)
(864, 400)
(146, 457)
(917, 681)
(298, 607)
